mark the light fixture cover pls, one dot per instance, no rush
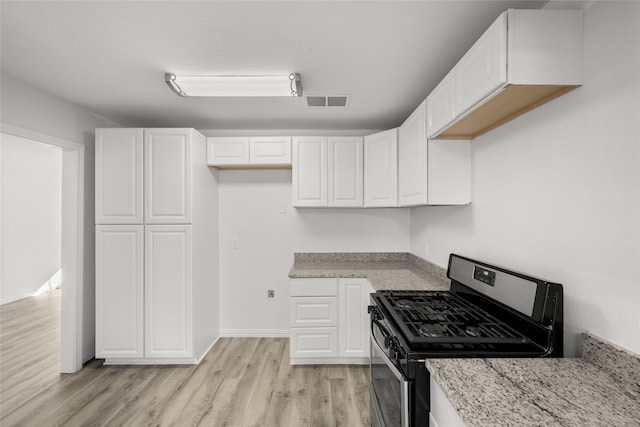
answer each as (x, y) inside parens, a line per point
(232, 86)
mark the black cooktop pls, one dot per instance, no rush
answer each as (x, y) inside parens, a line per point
(436, 317)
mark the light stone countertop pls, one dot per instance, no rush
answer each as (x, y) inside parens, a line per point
(600, 389)
(384, 270)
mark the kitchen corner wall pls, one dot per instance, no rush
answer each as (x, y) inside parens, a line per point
(30, 108)
(255, 210)
(556, 192)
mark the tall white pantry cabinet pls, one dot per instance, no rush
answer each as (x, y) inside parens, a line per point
(156, 246)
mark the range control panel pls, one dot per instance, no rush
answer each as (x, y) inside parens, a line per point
(483, 275)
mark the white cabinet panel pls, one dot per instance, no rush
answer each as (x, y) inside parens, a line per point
(167, 176)
(442, 413)
(309, 170)
(314, 342)
(449, 171)
(118, 172)
(353, 320)
(483, 68)
(412, 159)
(313, 287)
(119, 291)
(227, 151)
(313, 311)
(345, 172)
(381, 169)
(440, 105)
(270, 150)
(168, 289)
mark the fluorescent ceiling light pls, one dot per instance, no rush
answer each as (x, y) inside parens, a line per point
(281, 85)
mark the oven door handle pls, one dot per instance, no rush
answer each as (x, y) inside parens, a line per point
(388, 361)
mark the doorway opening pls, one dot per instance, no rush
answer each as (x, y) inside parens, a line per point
(72, 235)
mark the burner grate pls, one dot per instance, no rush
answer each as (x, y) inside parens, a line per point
(435, 317)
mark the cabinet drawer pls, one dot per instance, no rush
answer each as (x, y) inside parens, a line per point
(314, 342)
(313, 311)
(313, 287)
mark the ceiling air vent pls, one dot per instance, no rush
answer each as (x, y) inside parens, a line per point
(327, 101)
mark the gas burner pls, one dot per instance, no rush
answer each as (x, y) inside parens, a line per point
(404, 303)
(473, 331)
(431, 330)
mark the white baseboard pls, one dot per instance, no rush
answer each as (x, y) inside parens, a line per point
(258, 333)
(13, 299)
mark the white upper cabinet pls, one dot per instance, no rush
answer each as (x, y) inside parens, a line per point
(440, 105)
(309, 170)
(270, 150)
(381, 169)
(167, 171)
(255, 152)
(431, 172)
(412, 159)
(483, 68)
(227, 150)
(119, 166)
(345, 188)
(523, 60)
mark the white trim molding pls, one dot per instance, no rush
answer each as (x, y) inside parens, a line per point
(72, 258)
(257, 333)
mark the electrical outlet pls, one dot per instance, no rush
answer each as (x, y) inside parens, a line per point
(235, 244)
(271, 293)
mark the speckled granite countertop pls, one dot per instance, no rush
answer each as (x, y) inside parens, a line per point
(384, 270)
(600, 389)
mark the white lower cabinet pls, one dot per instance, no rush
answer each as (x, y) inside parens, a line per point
(329, 320)
(314, 343)
(168, 291)
(353, 319)
(119, 291)
(442, 413)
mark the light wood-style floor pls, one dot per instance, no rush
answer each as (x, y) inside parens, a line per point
(241, 382)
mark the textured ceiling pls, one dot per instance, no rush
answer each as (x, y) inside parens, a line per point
(110, 57)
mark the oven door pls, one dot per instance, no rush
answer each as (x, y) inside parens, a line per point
(390, 390)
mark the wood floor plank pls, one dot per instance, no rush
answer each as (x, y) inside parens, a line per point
(241, 382)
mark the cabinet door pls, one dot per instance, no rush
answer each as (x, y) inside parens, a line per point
(167, 184)
(412, 159)
(119, 291)
(345, 172)
(227, 151)
(449, 172)
(119, 176)
(440, 106)
(270, 150)
(381, 169)
(353, 320)
(168, 292)
(313, 342)
(313, 311)
(309, 170)
(483, 68)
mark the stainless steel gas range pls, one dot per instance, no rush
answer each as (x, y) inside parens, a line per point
(488, 312)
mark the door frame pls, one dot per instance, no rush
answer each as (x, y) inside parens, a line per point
(72, 236)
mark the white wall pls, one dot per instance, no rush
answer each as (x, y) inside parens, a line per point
(556, 192)
(249, 206)
(31, 192)
(32, 109)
